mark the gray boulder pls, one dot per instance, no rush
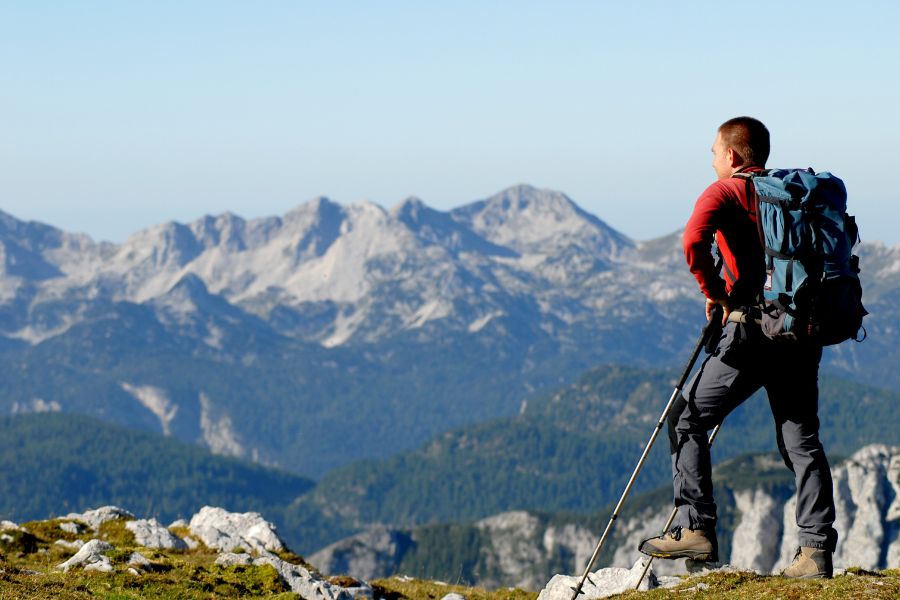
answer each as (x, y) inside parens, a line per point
(75, 545)
(299, 579)
(72, 527)
(600, 584)
(150, 533)
(98, 516)
(223, 530)
(229, 559)
(9, 526)
(867, 502)
(367, 555)
(90, 557)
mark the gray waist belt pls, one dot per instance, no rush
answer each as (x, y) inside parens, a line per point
(740, 316)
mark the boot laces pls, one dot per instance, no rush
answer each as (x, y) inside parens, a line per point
(675, 533)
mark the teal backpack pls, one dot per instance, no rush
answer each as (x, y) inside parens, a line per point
(812, 290)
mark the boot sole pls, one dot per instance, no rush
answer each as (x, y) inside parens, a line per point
(697, 555)
(813, 576)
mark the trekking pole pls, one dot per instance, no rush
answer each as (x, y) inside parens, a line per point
(712, 438)
(712, 326)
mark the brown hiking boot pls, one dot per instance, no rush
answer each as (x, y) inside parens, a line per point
(810, 563)
(696, 544)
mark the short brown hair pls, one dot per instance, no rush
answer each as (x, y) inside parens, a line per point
(748, 137)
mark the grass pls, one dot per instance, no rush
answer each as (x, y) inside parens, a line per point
(189, 576)
(884, 585)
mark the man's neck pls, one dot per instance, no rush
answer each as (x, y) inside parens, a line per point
(745, 168)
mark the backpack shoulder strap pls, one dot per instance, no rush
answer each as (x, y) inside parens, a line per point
(753, 200)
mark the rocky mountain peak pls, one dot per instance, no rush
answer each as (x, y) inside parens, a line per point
(226, 230)
(541, 221)
(410, 209)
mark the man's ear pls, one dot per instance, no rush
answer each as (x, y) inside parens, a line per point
(734, 159)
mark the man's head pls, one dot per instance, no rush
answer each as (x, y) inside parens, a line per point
(741, 142)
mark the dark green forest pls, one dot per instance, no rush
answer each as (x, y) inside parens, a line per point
(52, 464)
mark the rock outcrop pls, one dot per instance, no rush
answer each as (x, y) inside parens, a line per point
(602, 583)
(217, 528)
(367, 555)
(96, 517)
(524, 549)
(150, 533)
(867, 500)
(223, 530)
(296, 577)
(90, 557)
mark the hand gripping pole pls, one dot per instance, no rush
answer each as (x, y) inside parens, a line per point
(713, 327)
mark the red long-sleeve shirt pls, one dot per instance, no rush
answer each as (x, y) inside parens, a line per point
(724, 211)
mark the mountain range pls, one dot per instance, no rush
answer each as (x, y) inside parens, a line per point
(335, 333)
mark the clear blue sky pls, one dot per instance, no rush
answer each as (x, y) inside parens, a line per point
(118, 115)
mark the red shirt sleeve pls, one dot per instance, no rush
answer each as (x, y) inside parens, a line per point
(698, 240)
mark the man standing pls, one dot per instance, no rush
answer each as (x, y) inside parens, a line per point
(744, 361)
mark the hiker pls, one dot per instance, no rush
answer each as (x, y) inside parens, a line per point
(744, 361)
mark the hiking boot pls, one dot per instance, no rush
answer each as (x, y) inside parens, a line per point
(696, 544)
(810, 563)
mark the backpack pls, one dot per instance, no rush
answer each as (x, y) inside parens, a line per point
(812, 289)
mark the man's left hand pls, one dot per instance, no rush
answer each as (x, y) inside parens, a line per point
(726, 309)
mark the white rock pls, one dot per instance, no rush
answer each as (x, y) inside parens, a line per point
(302, 582)
(364, 591)
(760, 512)
(572, 539)
(865, 488)
(9, 526)
(367, 555)
(178, 523)
(139, 562)
(454, 596)
(98, 516)
(599, 584)
(150, 533)
(699, 568)
(90, 557)
(69, 545)
(71, 527)
(223, 530)
(102, 565)
(647, 524)
(191, 542)
(513, 536)
(227, 559)
(297, 577)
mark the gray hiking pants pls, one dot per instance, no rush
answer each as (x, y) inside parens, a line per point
(745, 361)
